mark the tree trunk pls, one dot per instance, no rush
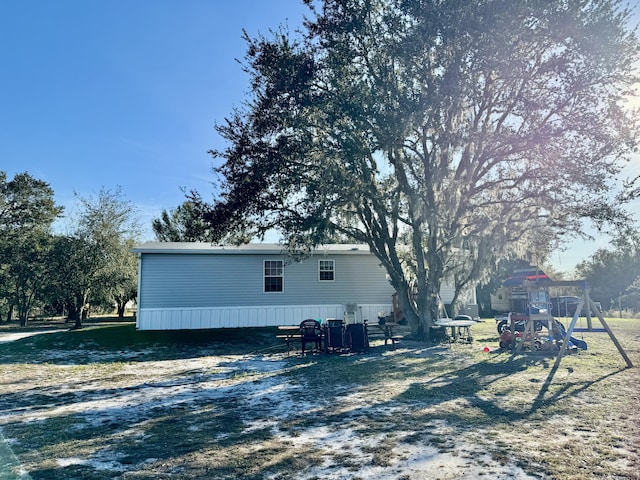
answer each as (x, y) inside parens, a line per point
(422, 306)
(78, 311)
(72, 312)
(418, 309)
(408, 311)
(23, 311)
(455, 303)
(121, 308)
(428, 311)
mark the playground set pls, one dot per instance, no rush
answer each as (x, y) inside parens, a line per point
(530, 326)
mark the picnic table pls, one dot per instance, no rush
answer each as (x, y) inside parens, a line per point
(290, 333)
(309, 331)
(386, 328)
(460, 329)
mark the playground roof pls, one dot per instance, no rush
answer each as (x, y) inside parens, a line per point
(532, 274)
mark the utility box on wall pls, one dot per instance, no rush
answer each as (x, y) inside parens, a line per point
(472, 310)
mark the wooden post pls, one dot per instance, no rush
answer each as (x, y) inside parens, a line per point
(567, 335)
(588, 303)
(611, 335)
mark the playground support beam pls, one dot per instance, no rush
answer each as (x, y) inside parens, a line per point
(587, 299)
(613, 338)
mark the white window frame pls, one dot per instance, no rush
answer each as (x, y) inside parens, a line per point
(332, 270)
(272, 275)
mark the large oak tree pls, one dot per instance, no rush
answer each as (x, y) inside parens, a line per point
(443, 134)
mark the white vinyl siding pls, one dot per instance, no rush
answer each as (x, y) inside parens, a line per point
(236, 317)
(171, 280)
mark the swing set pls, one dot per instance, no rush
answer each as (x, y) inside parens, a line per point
(538, 316)
(591, 306)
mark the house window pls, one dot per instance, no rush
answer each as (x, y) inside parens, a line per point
(273, 276)
(326, 270)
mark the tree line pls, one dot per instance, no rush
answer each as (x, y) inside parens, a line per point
(42, 272)
(613, 273)
(66, 274)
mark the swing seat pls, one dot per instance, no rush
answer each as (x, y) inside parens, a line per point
(600, 330)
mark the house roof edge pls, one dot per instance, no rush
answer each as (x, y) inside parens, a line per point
(248, 249)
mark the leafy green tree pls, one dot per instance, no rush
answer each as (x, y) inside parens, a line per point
(27, 210)
(99, 248)
(26, 204)
(124, 285)
(454, 131)
(181, 225)
(631, 297)
(184, 224)
(72, 274)
(26, 275)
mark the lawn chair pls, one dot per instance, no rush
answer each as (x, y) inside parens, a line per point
(310, 331)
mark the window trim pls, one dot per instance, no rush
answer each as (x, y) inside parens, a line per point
(265, 276)
(332, 270)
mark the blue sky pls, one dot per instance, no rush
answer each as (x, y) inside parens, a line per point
(126, 93)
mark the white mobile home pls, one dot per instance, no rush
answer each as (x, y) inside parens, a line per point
(198, 285)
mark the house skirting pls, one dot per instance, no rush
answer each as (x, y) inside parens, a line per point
(254, 316)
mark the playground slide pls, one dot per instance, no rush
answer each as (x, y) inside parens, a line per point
(581, 344)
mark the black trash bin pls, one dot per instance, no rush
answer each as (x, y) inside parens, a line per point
(334, 338)
(357, 338)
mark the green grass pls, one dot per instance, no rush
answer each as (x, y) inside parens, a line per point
(125, 339)
(191, 404)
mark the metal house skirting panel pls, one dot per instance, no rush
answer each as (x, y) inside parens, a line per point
(235, 317)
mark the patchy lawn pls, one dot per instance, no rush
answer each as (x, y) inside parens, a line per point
(109, 402)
